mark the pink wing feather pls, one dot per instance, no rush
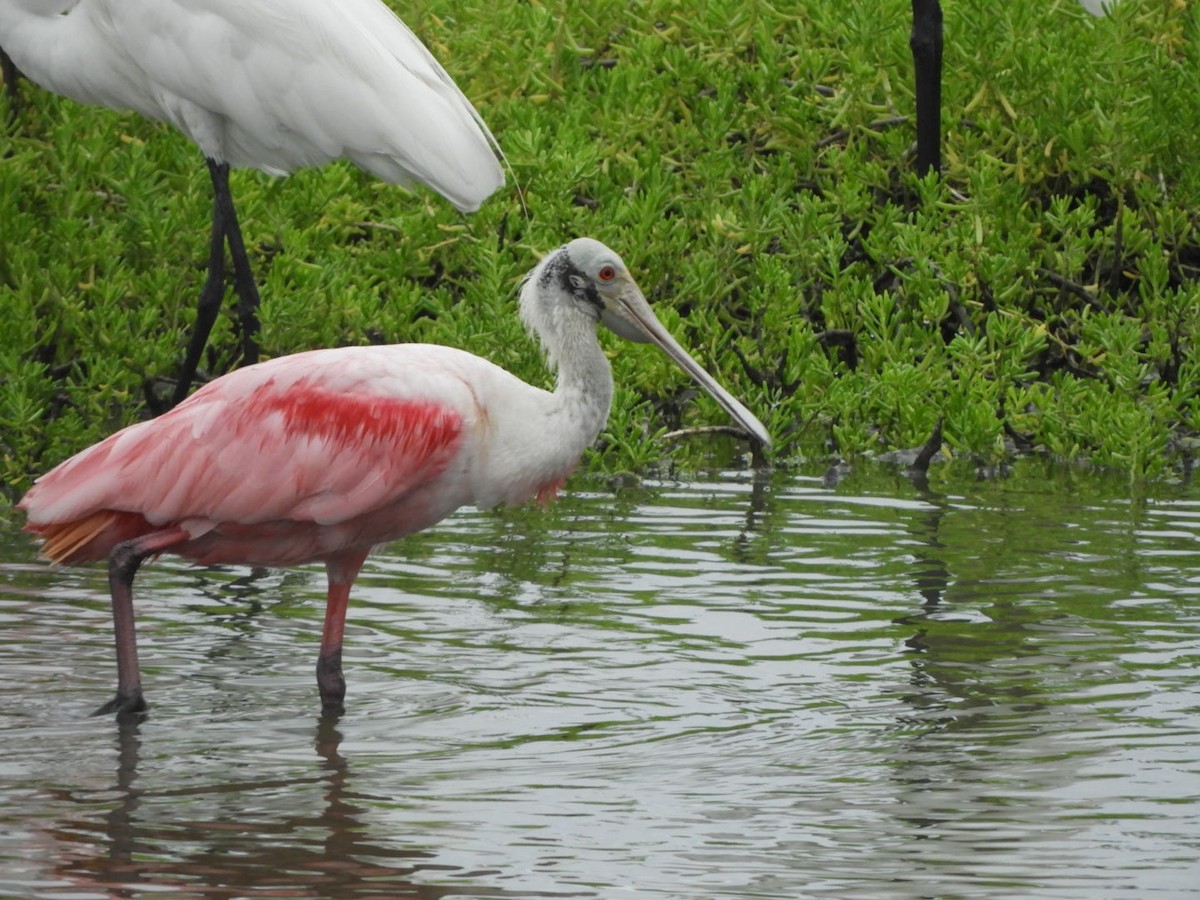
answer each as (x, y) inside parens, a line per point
(320, 437)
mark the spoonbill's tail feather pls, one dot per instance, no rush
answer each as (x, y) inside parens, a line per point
(88, 539)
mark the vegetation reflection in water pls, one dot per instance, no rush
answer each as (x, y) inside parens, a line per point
(739, 687)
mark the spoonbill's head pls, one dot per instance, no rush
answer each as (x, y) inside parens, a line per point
(594, 280)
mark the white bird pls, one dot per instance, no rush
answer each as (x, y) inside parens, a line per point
(274, 85)
(325, 454)
(1098, 7)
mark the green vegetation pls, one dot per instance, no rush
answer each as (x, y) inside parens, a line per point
(752, 162)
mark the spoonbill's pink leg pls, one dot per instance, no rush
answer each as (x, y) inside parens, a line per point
(342, 570)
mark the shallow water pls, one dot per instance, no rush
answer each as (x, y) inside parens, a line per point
(724, 688)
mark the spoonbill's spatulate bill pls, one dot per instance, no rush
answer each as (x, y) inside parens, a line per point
(325, 454)
(274, 85)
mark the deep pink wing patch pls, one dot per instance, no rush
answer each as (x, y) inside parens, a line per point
(339, 455)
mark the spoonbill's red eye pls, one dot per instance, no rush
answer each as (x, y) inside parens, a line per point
(606, 273)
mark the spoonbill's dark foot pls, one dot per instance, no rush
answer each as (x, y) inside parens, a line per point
(333, 709)
(123, 706)
(331, 683)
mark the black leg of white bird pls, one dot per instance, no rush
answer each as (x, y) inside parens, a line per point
(209, 305)
(243, 275)
(926, 44)
(8, 71)
(224, 228)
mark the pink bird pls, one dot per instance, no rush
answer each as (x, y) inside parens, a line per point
(326, 454)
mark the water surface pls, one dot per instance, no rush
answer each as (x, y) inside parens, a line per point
(765, 687)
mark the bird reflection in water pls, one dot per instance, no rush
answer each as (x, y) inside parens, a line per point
(305, 850)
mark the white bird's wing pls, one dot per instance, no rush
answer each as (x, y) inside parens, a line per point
(280, 85)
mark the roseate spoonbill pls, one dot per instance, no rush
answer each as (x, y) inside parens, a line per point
(274, 85)
(323, 455)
